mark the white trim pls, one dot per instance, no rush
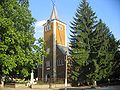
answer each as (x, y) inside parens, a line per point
(46, 79)
(43, 68)
(60, 22)
(54, 50)
(65, 37)
(61, 44)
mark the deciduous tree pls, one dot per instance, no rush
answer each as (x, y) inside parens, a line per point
(17, 53)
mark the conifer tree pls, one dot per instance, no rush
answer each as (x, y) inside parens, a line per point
(116, 62)
(92, 47)
(102, 53)
(82, 27)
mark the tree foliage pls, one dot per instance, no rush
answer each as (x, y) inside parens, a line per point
(17, 53)
(116, 65)
(82, 26)
(92, 47)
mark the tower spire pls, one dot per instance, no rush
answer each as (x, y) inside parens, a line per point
(54, 14)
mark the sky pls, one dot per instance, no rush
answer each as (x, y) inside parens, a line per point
(107, 10)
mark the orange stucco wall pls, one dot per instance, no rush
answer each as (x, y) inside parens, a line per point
(60, 34)
(48, 35)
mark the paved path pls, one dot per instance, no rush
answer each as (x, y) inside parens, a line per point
(24, 89)
(99, 88)
(110, 88)
(72, 88)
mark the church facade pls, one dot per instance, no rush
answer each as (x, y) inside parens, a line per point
(56, 46)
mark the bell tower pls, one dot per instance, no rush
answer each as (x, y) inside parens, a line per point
(55, 39)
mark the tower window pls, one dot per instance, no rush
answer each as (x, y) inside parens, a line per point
(47, 28)
(60, 27)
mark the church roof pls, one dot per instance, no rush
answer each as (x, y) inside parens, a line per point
(54, 14)
(63, 49)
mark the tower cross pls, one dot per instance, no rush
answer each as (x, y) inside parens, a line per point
(53, 2)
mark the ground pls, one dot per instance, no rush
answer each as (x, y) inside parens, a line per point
(71, 88)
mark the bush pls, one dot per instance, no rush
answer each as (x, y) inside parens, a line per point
(59, 82)
(9, 80)
(21, 81)
(93, 86)
(40, 82)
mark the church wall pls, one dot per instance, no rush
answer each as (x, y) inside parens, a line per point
(60, 33)
(60, 65)
(40, 73)
(48, 37)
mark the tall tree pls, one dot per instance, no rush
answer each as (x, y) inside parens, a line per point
(116, 62)
(39, 52)
(103, 48)
(82, 27)
(16, 38)
(92, 47)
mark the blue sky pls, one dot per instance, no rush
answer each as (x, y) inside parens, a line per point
(107, 10)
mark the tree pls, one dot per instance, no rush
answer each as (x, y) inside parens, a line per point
(82, 26)
(92, 47)
(116, 63)
(103, 46)
(39, 52)
(16, 39)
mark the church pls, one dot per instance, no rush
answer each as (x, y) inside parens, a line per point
(53, 66)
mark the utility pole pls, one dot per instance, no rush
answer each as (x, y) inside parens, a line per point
(66, 71)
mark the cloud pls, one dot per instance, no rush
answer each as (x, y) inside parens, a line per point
(40, 23)
(39, 29)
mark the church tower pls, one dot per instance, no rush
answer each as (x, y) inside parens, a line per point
(56, 47)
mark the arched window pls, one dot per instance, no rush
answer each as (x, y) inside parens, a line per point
(60, 62)
(60, 27)
(47, 27)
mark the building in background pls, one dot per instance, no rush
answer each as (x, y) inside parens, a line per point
(53, 66)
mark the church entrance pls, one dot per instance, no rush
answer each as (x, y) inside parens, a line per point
(47, 77)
